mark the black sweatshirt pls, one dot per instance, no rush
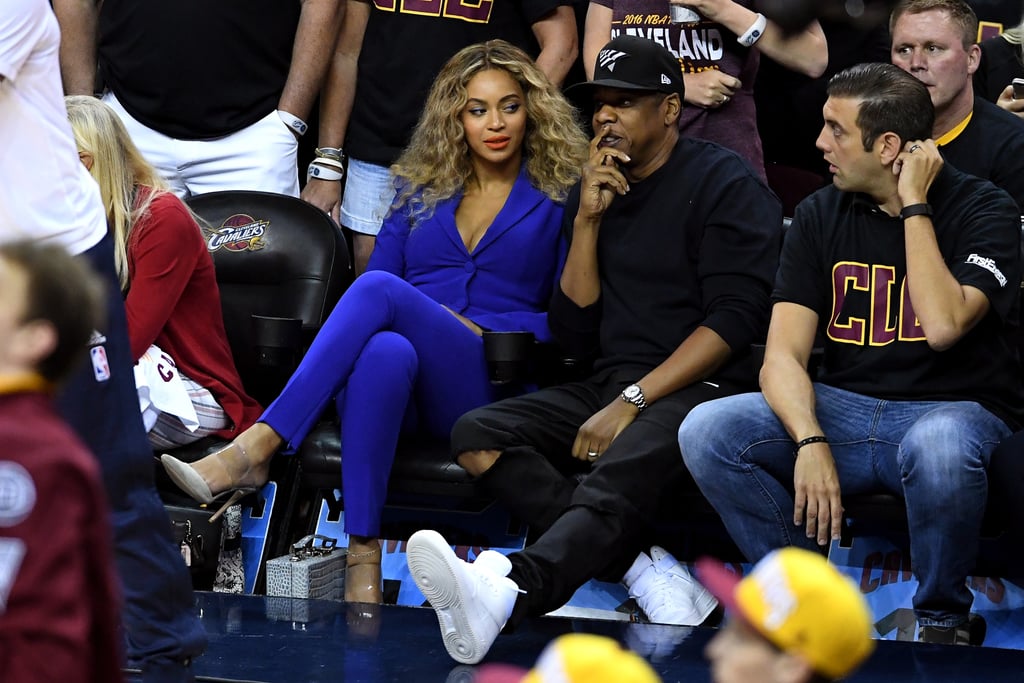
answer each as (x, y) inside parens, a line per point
(695, 243)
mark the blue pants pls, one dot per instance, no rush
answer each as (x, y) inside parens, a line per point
(933, 454)
(390, 358)
(163, 629)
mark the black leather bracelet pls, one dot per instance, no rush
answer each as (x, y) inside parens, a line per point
(915, 210)
(809, 440)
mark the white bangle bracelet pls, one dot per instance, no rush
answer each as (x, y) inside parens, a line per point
(753, 33)
(327, 161)
(293, 122)
(324, 173)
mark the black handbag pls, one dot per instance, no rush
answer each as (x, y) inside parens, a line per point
(199, 540)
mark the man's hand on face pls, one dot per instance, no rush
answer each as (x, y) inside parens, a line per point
(602, 179)
(917, 165)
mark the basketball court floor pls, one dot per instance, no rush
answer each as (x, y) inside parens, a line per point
(286, 640)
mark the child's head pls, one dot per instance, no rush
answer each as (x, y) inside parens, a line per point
(51, 305)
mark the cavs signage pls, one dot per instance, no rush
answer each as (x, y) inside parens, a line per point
(473, 11)
(237, 233)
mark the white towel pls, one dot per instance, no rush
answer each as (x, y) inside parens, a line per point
(162, 391)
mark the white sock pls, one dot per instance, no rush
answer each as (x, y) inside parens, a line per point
(641, 564)
(494, 562)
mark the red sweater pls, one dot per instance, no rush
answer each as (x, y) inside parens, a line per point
(173, 302)
(60, 619)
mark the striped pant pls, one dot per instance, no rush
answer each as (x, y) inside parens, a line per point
(169, 432)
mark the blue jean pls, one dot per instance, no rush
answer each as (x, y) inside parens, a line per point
(162, 624)
(933, 454)
(391, 359)
(369, 190)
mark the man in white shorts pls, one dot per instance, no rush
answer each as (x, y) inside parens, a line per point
(215, 101)
(48, 196)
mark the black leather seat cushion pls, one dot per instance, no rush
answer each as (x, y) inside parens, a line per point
(885, 509)
(277, 257)
(422, 465)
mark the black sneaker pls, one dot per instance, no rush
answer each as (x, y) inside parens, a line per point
(971, 632)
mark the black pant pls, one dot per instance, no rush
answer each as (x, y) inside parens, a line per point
(1006, 481)
(595, 528)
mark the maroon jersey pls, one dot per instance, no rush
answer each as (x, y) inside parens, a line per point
(701, 46)
(59, 605)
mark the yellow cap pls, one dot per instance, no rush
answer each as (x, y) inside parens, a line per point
(587, 658)
(577, 658)
(802, 604)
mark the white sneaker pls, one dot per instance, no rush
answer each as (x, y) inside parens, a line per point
(656, 642)
(462, 673)
(666, 591)
(472, 601)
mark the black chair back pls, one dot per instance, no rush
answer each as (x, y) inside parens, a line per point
(281, 264)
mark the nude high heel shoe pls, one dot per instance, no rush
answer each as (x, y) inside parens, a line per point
(245, 478)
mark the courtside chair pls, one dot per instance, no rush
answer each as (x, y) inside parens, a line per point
(281, 265)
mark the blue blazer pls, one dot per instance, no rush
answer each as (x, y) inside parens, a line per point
(505, 284)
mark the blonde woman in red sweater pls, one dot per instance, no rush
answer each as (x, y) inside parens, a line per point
(174, 316)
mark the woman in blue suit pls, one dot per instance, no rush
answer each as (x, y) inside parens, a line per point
(472, 243)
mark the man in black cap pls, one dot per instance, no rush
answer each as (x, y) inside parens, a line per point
(673, 247)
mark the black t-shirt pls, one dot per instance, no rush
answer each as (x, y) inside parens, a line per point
(1003, 12)
(405, 45)
(845, 259)
(1000, 64)
(696, 243)
(197, 69)
(991, 147)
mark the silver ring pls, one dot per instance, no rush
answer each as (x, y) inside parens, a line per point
(592, 455)
(914, 148)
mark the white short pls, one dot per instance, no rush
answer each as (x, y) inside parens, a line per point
(369, 191)
(262, 156)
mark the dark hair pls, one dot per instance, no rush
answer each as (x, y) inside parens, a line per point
(63, 291)
(891, 101)
(959, 11)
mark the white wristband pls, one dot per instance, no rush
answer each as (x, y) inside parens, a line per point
(327, 161)
(323, 173)
(753, 33)
(293, 122)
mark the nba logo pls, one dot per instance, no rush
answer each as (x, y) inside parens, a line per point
(100, 367)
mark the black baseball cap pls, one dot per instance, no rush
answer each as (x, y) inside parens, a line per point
(635, 63)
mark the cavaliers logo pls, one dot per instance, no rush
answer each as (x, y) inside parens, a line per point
(237, 233)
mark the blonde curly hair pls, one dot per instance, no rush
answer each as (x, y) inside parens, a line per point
(436, 165)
